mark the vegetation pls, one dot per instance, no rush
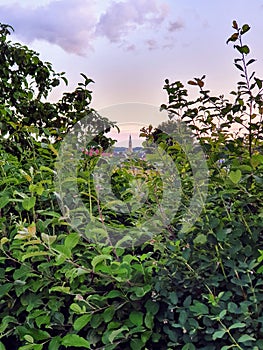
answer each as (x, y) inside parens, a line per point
(184, 288)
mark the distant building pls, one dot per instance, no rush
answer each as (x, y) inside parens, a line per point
(130, 150)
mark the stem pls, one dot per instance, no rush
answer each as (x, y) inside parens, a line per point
(230, 335)
(251, 100)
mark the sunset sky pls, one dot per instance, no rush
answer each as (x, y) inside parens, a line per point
(130, 47)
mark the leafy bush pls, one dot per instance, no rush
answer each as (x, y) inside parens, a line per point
(199, 288)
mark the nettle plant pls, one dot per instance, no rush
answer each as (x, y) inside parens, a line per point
(197, 289)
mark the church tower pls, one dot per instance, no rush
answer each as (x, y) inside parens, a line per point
(130, 145)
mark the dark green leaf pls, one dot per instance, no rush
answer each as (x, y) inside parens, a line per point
(136, 317)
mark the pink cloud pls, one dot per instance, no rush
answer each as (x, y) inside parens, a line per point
(122, 18)
(68, 25)
(75, 25)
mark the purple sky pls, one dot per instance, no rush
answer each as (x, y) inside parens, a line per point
(129, 47)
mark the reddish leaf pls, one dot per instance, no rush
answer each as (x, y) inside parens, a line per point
(235, 26)
(191, 82)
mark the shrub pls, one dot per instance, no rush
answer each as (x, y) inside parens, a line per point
(199, 288)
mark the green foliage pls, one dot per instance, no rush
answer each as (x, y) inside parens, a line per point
(26, 116)
(197, 289)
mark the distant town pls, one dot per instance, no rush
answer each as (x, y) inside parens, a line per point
(139, 151)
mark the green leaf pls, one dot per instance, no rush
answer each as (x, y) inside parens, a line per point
(117, 333)
(3, 201)
(258, 82)
(3, 241)
(63, 250)
(141, 291)
(237, 325)
(245, 337)
(38, 188)
(100, 258)
(235, 176)
(199, 308)
(37, 334)
(31, 347)
(48, 239)
(256, 160)
(136, 317)
(137, 344)
(108, 314)
(28, 203)
(222, 314)
(76, 341)
(49, 213)
(114, 294)
(145, 336)
(232, 307)
(42, 320)
(200, 239)
(29, 338)
(76, 308)
(245, 28)
(72, 240)
(2, 347)
(55, 343)
(173, 297)
(183, 317)
(5, 288)
(5, 322)
(34, 254)
(81, 322)
(60, 289)
(152, 307)
(149, 320)
(218, 334)
(96, 320)
(188, 346)
(243, 49)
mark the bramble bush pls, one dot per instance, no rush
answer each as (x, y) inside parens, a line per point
(199, 288)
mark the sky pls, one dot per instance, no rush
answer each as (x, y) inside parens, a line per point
(129, 47)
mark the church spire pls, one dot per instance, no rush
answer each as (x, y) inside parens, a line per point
(130, 145)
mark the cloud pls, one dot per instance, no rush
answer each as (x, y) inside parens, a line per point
(75, 25)
(151, 44)
(175, 26)
(131, 47)
(70, 26)
(121, 18)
